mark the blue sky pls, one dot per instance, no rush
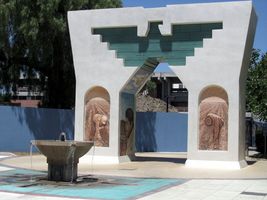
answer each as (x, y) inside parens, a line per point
(260, 41)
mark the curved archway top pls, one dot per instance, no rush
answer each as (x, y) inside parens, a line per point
(173, 48)
(213, 92)
(96, 91)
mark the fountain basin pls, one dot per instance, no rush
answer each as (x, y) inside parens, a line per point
(62, 157)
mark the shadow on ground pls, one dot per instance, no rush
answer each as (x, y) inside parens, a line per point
(159, 159)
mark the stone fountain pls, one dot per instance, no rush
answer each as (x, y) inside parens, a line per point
(62, 157)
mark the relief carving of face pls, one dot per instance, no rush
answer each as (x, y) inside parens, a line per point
(103, 120)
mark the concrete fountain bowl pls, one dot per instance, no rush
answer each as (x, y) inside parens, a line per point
(62, 157)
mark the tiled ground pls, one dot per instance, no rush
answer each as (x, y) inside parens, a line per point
(11, 180)
(215, 190)
(28, 182)
(191, 190)
(14, 185)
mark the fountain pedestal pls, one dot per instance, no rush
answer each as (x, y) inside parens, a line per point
(62, 157)
(66, 172)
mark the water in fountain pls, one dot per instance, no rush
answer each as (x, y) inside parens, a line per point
(92, 161)
(31, 180)
(72, 153)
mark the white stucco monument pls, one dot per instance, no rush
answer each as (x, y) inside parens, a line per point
(207, 45)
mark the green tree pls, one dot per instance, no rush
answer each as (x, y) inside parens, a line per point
(257, 85)
(151, 86)
(35, 34)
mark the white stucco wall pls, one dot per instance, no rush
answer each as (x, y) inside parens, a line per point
(222, 61)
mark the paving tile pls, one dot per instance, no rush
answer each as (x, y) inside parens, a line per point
(5, 168)
(218, 198)
(200, 184)
(168, 194)
(193, 195)
(214, 184)
(236, 187)
(248, 197)
(9, 196)
(181, 193)
(226, 194)
(33, 197)
(258, 187)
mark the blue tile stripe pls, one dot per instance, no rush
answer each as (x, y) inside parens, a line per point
(131, 188)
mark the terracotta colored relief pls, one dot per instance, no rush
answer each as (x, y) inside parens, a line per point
(97, 121)
(213, 124)
(127, 133)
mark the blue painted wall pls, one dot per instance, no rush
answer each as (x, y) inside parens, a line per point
(18, 126)
(161, 132)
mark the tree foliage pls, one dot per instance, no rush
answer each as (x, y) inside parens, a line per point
(35, 34)
(151, 86)
(257, 85)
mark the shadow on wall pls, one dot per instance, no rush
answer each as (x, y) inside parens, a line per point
(46, 123)
(20, 125)
(145, 139)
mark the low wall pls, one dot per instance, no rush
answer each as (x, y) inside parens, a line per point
(18, 126)
(161, 132)
(158, 132)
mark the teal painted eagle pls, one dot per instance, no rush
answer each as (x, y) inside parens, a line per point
(172, 49)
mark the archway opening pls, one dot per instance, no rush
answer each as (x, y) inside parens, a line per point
(153, 119)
